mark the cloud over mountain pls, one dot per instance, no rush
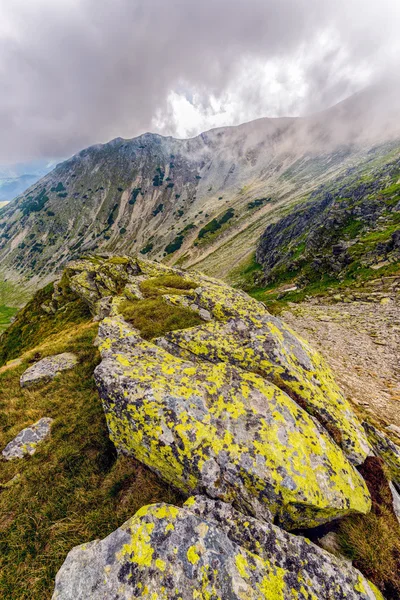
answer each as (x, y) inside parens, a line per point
(77, 72)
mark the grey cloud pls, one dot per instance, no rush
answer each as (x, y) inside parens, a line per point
(78, 72)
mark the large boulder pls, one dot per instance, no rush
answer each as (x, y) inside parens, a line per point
(217, 429)
(264, 345)
(27, 441)
(205, 549)
(46, 369)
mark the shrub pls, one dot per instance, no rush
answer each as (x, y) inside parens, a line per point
(157, 210)
(147, 248)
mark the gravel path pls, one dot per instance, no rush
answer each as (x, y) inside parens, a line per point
(361, 342)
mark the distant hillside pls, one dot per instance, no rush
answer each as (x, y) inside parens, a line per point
(349, 230)
(201, 202)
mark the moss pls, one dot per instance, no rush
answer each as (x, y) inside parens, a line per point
(153, 317)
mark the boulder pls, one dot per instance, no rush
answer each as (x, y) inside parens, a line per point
(46, 369)
(217, 429)
(262, 344)
(386, 449)
(28, 439)
(205, 549)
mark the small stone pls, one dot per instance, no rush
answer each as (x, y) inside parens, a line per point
(46, 369)
(330, 543)
(396, 500)
(205, 315)
(28, 439)
(394, 429)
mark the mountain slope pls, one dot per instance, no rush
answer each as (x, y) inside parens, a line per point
(350, 228)
(185, 201)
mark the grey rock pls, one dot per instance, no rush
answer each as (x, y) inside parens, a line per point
(28, 439)
(205, 549)
(46, 369)
(396, 500)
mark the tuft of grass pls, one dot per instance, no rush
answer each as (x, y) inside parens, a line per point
(153, 317)
(74, 488)
(166, 284)
(373, 541)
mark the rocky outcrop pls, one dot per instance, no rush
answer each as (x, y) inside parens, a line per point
(46, 369)
(347, 221)
(27, 441)
(205, 549)
(228, 408)
(241, 333)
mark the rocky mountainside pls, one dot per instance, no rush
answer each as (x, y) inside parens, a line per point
(348, 229)
(202, 202)
(233, 423)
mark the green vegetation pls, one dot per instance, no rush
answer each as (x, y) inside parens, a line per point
(75, 488)
(257, 203)
(153, 317)
(34, 204)
(135, 193)
(6, 314)
(59, 187)
(111, 216)
(372, 541)
(178, 241)
(158, 177)
(216, 224)
(11, 297)
(157, 210)
(147, 248)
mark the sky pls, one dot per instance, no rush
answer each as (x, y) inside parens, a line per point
(78, 72)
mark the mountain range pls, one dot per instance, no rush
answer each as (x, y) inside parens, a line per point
(202, 202)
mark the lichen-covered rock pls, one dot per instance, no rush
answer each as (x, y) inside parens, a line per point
(217, 429)
(46, 369)
(28, 439)
(241, 332)
(264, 345)
(386, 449)
(205, 550)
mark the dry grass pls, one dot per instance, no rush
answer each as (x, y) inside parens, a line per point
(74, 488)
(153, 317)
(166, 284)
(373, 541)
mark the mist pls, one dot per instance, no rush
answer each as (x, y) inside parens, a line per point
(78, 72)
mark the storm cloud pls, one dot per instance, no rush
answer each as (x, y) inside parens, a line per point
(78, 72)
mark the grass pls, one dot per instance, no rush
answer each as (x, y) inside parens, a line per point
(74, 488)
(373, 541)
(6, 314)
(153, 316)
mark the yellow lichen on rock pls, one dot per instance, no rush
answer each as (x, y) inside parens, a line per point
(216, 428)
(206, 550)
